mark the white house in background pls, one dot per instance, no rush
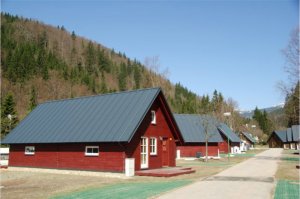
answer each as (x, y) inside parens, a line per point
(4, 153)
(248, 141)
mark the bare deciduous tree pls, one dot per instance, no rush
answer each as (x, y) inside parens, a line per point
(159, 74)
(291, 67)
(208, 124)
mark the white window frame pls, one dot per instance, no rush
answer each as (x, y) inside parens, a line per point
(91, 154)
(29, 152)
(153, 146)
(153, 117)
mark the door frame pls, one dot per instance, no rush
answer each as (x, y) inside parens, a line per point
(146, 153)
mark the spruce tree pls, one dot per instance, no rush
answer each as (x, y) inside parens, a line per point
(122, 77)
(33, 99)
(137, 77)
(9, 117)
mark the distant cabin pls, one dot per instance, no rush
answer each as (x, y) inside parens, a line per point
(247, 140)
(231, 141)
(192, 127)
(287, 139)
(97, 133)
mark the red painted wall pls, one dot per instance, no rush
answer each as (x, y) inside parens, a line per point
(69, 156)
(223, 146)
(190, 149)
(162, 128)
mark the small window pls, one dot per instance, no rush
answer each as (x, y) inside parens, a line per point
(153, 117)
(29, 150)
(153, 146)
(4, 156)
(92, 151)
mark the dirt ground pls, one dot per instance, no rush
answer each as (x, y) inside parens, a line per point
(287, 166)
(20, 184)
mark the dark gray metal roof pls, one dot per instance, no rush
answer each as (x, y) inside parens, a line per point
(281, 135)
(296, 133)
(228, 133)
(249, 137)
(289, 135)
(102, 118)
(192, 128)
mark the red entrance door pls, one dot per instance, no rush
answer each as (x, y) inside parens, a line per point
(165, 152)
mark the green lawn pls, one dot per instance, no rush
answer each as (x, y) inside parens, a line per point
(286, 189)
(128, 190)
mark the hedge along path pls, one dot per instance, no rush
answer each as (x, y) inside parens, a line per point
(128, 190)
(287, 190)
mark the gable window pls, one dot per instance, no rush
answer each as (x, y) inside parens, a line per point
(153, 117)
(92, 150)
(153, 146)
(29, 150)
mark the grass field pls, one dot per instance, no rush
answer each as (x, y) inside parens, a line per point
(126, 190)
(287, 176)
(20, 184)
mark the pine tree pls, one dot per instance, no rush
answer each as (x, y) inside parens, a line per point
(90, 57)
(73, 35)
(122, 77)
(33, 99)
(9, 117)
(137, 77)
(263, 120)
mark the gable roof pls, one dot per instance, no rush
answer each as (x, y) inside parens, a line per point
(112, 117)
(289, 137)
(296, 133)
(225, 130)
(192, 128)
(249, 137)
(281, 135)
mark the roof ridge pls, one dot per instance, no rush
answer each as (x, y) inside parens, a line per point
(99, 95)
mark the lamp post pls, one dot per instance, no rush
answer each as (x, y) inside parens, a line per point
(227, 115)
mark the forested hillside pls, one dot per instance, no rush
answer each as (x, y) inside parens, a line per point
(40, 62)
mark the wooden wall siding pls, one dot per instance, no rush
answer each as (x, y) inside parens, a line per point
(275, 142)
(161, 129)
(69, 156)
(112, 155)
(190, 150)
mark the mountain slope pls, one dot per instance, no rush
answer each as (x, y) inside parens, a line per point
(271, 110)
(59, 64)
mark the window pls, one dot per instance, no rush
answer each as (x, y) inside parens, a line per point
(29, 150)
(4, 156)
(153, 146)
(92, 151)
(153, 117)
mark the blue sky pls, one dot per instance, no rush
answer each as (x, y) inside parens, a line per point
(232, 46)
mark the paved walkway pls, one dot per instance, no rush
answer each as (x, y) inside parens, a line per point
(253, 178)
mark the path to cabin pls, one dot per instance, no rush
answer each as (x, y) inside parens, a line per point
(253, 178)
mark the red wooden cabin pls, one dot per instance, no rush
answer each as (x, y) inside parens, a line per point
(97, 133)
